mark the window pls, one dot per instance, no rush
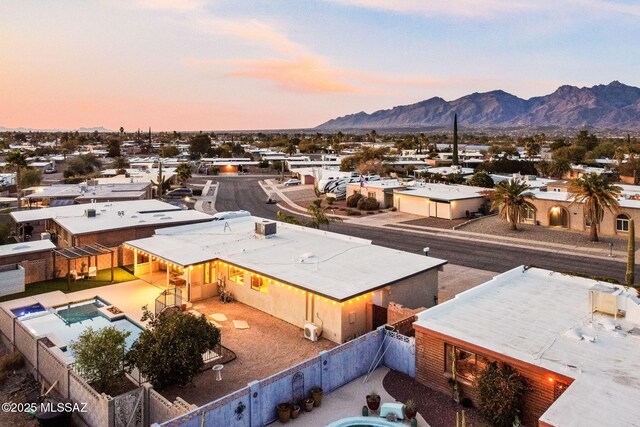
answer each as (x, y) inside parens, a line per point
(622, 223)
(210, 272)
(258, 284)
(529, 214)
(236, 275)
(468, 364)
(371, 194)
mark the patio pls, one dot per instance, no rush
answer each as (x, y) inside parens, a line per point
(267, 347)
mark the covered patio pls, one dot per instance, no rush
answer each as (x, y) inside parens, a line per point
(80, 252)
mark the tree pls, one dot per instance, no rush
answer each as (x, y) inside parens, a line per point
(121, 130)
(16, 161)
(84, 164)
(532, 148)
(631, 255)
(573, 154)
(120, 163)
(501, 394)
(559, 167)
(100, 355)
(114, 149)
(289, 219)
(455, 140)
(586, 140)
(169, 151)
(373, 166)
(170, 350)
(319, 216)
(481, 179)
(199, 145)
(183, 172)
(597, 193)
(30, 177)
(512, 199)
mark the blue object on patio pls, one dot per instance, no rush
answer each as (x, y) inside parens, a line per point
(363, 421)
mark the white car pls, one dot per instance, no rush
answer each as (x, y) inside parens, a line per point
(290, 182)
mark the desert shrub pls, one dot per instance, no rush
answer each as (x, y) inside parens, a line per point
(11, 361)
(501, 394)
(393, 209)
(368, 204)
(352, 200)
(370, 213)
(353, 213)
(330, 200)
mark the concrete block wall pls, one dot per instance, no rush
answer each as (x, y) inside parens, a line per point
(52, 370)
(160, 409)
(11, 280)
(400, 353)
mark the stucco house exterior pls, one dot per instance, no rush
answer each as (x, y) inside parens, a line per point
(440, 200)
(295, 273)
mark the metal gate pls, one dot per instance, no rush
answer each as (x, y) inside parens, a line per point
(128, 409)
(378, 316)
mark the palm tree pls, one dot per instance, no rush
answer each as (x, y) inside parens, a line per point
(597, 193)
(319, 216)
(17, 161)
(289, 219)
(532, 148)
(183, 172)
(512, 200)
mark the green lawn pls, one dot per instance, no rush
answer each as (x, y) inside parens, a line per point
(102, 279)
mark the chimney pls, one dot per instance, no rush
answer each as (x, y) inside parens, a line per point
(265, 229)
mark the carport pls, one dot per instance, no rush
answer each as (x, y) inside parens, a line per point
(81, 252)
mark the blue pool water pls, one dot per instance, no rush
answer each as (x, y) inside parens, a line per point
(28, 310)
(363, 422)
(67, 322)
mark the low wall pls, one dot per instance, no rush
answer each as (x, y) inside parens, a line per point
(255, 405)
(11, 279)
(160, 409)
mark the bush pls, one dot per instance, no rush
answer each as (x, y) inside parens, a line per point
(368, 204)
(353, 213)
(370, 212)
(11, 361)
(393, 209)
(352, 200)
(501, 393)
(330, 200)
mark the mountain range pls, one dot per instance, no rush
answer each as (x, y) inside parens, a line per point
(613, 106)
(100, 129)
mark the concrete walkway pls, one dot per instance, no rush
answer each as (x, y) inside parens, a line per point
(207, 202)
(347, 401)
(396, 220)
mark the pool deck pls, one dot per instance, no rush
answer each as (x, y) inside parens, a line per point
(127, 296)
(347, 401)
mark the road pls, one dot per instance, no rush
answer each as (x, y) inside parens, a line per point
(245, 193)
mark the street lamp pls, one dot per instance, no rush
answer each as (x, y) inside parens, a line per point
(426, 251)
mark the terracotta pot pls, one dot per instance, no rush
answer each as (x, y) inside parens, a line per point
(409, 413)
(284, 412)
(295, 411)
(316, 395)
(373, 403)
(308, 405)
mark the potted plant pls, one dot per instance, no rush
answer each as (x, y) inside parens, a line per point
(308, 404)
(410, 409)
(373, 401)
(316, 395)
(284, 412)
(295, 411)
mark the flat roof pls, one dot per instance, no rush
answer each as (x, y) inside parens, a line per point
(122, 190)
(381, 183)
(136, 213)
(26, 247)
(335, 266)
(548, 324)
(444, 192)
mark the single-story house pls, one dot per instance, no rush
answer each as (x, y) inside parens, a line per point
(67, 194)
(31, 256)
(440, 200)
(573, 340)
(298, 274)
(381, 190)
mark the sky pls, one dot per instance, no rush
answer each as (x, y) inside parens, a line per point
(283, 64)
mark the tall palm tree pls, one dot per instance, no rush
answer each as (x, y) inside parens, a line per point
(17, 161)
(512, 199)
(183, 172)
(597, 193)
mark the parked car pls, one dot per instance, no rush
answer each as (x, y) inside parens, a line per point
(292, 181)
(50, 169)
(179, 193)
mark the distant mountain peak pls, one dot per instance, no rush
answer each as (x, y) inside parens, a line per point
(611, 106)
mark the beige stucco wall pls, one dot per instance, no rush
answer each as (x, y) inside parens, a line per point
(411, 204)
(417, 291)
(459, 208)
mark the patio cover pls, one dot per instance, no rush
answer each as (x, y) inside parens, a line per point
(77, 252)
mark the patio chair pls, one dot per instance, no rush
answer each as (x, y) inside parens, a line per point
(93, 271)
(74, 275)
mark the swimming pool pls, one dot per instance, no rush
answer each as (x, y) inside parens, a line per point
(28, 310)
(67, 322)
(363, 422)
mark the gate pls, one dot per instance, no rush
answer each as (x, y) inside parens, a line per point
(128, 409)
(378, 316)
(171, 297)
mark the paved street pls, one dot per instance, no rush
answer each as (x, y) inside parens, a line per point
(245, 193)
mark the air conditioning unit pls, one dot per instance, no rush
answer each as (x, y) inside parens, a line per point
(312, 332)
(90, 213)
(45, 236)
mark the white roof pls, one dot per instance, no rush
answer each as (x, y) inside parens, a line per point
(380, 183)
(137, 213)
(329, 264)
(449, 170)
(125, 190)
(26, 247)
(444, 192)
(547, 314)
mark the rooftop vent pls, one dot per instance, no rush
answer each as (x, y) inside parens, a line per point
(265, 228)
(90, 213)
